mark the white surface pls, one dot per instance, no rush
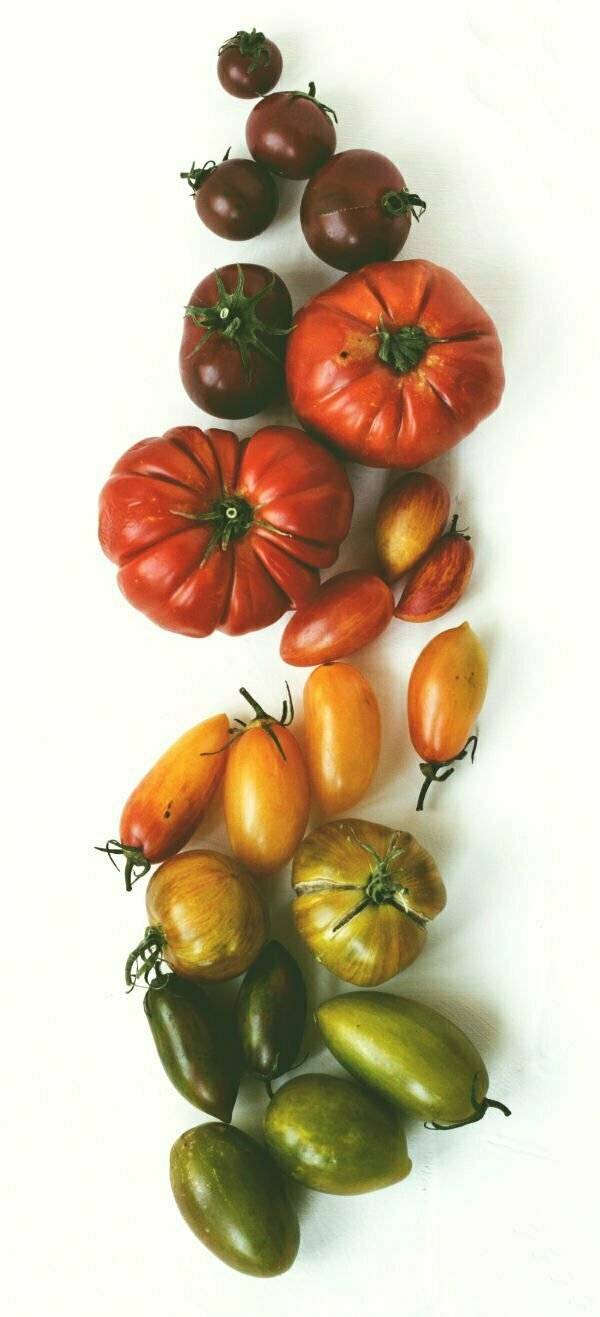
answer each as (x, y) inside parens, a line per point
(487, 108)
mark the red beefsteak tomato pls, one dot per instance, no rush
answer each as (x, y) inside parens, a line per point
(394, 364)
(212, 533)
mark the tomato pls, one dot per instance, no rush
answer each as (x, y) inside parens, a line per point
(394, 364)
(195, 1044)
(209, 533)
(343, 735)
(207, 920)
(335, 1137)
(437, 583)
(291, 133)
(249, 64)
(446, 692)
(410, 518)
(169, 803)
(347, 612)
(357, 209)
(266, 793)
(231, 357)
(364, 896)
(413, 1056)
(233, 1197)
(270, 1013)
(237, 199)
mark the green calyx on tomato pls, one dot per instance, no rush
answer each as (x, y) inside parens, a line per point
(251, 44)
(146, 958)
(198, 174)
(383, 884)
(400, 203)
(404, 348)
(264, 720)
(135, 860)
(441, 772)
(234, 316)
(311, 95)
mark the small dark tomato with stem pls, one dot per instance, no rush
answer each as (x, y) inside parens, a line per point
(233, 344)
(249, 65)
(357, 209)
(237, 199)
(291, 132)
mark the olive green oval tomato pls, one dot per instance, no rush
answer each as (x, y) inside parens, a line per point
(233, 1197)
(270, 1012)
(335, 1137)
(364, 896)
(410, 1054)
(195, 1044)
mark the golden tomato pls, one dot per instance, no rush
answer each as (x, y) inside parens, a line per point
(343, 735)
(446, 691)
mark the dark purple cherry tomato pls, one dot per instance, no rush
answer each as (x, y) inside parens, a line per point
(291, 132)
(357, 209)
(249, 65)
(233, 344)
(236, 199)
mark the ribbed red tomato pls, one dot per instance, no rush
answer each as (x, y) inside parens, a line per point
(212, 533)
(394, 364)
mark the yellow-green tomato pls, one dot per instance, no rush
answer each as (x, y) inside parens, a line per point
(233, 1197)
(335, 1137)
(343, 735)
(410, 1054)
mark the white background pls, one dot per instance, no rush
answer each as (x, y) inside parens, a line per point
(487, 108)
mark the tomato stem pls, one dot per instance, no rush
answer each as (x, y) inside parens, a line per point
(198, 174)
(480, 1109)
(134, 857)
(249, 43)
(234, 316)
(265, 720)
(311, 95)
(145, 958)
(403, 202)
(431, 771)
(402, 349)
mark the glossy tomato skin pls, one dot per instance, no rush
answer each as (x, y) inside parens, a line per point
(364, 896)
(270, 1012)
(341, 388)
(195, 1044)
(167, 806)
(210, 913)
(343, 217)
(238, 200)
(410, 518)
(342, 726)
(294, 503)
(347, 612)
(446, 692)
(290, 135)
(410, 1054)
(335, 1137)
(212, 369)
(266, 798)
(437, 583)
(232, 1195)
(237, 75)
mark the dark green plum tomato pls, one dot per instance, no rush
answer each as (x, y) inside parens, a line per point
(195, 1044)
(270, 1012)
(410, 1054)
(335, 1137)
(233, 1197)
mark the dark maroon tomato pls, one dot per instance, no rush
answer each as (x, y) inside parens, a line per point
(249, 65)
(291, 133)
(236, 199)
(357, 209)
(233, 344)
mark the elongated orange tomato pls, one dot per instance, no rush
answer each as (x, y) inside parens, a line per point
(266, 791)
(347, 612)
(343, 735)
(446, 692)
(206, 919)
(166, 807)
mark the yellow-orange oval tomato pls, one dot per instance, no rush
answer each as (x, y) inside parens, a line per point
(410, 518)
(364, 895)
(343, 735)
(446, 691)
(206, 916)
(166, 807)
(266, 793)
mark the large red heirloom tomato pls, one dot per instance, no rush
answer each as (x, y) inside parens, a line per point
(212, 533)
(394, 364)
